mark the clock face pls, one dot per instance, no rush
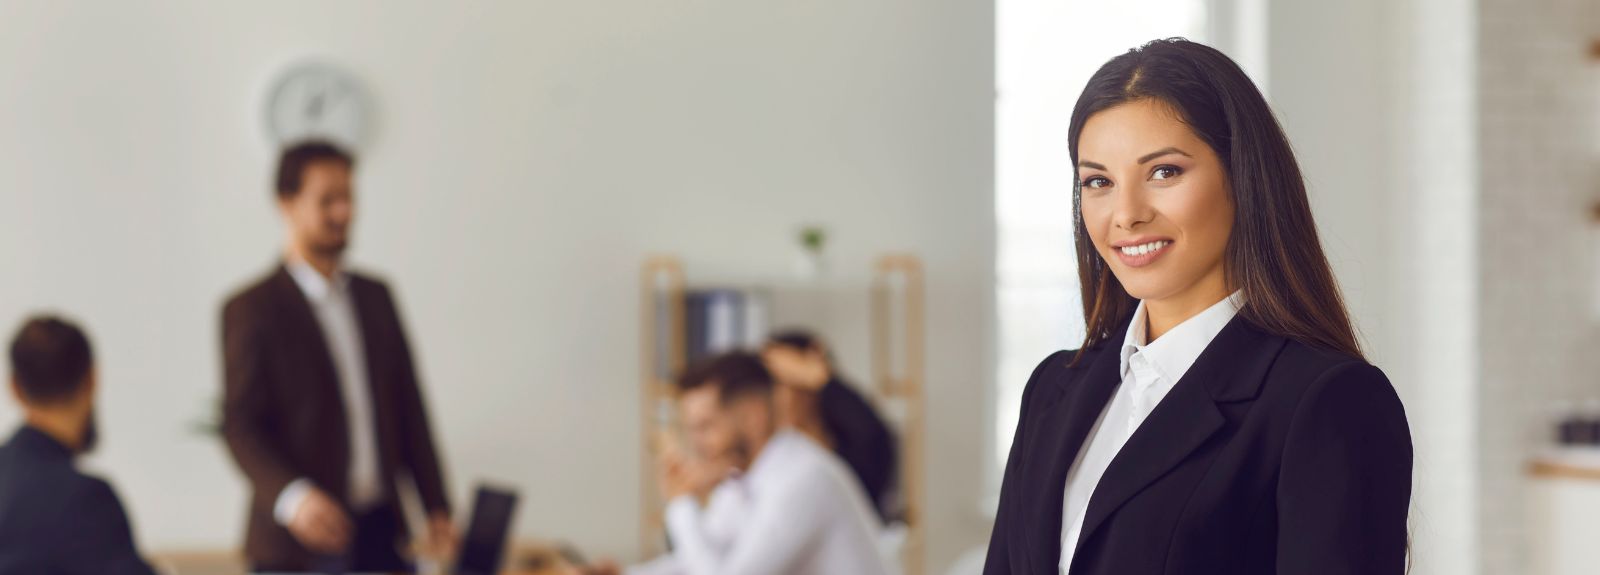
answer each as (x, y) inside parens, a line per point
(317, 101)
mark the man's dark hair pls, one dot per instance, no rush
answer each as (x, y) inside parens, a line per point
(798, 339)
(294, 160)
(735, 374)
(50, 359)
(801, 340)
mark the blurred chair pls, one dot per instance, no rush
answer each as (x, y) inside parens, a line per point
(970, 563)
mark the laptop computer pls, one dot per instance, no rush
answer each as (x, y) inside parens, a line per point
(483, 545)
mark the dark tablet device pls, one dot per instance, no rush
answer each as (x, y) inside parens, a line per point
(484, 545)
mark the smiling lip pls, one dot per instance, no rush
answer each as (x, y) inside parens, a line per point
(1152, 247)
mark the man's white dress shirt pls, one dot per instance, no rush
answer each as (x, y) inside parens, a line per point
(336, 314)
(1149, 369)
(798, 511)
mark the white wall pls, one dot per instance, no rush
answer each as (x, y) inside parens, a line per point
(528, 155)
(1538, 102)
(1334, 108)
(1437, 261)
(1449, 146)
(1378, 99)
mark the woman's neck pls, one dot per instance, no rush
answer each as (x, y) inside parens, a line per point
(1164, 314)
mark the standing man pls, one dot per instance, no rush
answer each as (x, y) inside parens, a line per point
(321, 407)
(54, 519)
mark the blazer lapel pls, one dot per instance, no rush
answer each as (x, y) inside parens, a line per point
(1059, 431)
(1231, 368)
(303, 324)
(367, 310)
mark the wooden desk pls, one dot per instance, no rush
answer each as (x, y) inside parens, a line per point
(232, 562)
(1555, 469)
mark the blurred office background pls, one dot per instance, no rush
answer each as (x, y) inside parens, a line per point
(525, 158)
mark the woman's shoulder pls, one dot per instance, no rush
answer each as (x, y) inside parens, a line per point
(1072, 360)
(1323, 395)
(1057, 362)
(1305, 372)
(1311, 362)
(1054, 371)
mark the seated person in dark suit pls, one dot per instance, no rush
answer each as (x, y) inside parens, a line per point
(816, 400)
(53, 519)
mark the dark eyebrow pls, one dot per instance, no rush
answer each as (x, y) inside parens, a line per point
(1092, 166)
(1162, 152)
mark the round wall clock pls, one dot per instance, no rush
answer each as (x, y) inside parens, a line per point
(316, 100)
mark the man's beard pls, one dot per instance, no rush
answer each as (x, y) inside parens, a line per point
(331, 249)
(91, 434)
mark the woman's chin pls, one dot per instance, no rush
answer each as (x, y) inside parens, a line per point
(1147, 288)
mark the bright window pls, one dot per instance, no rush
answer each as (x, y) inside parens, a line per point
(1046, 50)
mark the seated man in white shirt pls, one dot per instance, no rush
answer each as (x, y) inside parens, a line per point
(782, 504)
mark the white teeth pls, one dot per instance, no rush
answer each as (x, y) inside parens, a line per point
(1143, 249)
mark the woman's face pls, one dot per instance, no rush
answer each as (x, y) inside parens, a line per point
(1155, 202)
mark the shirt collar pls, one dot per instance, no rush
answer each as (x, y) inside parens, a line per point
(1174, 352)
(32, 439)
(312, 282)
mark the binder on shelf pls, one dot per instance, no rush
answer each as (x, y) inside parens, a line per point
(719, 320)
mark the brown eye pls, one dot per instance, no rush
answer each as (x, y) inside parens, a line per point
(1096, 182)
(1165, 172)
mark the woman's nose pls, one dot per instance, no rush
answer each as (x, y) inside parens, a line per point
(1131, 208)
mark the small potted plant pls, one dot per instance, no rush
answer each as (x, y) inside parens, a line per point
(809, 263)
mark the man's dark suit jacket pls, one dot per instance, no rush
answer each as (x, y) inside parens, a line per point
(55, 520)
(1268, 456)
(283, 411)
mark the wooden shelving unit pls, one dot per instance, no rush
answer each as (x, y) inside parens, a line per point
(897, 355)
(897, 366)
(661, 283)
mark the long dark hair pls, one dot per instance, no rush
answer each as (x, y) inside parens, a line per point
(1273, 254)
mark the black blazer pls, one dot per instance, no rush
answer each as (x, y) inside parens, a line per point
(1268, 456)
(283, 412)
(55, 520)
(862, 439)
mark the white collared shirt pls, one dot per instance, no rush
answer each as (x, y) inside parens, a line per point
(720, 523)
(335, 311)
(798, 511)
(1149, 371)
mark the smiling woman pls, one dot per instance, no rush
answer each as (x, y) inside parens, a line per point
(1219, 416)
(1186, 96)
(1144, 197)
